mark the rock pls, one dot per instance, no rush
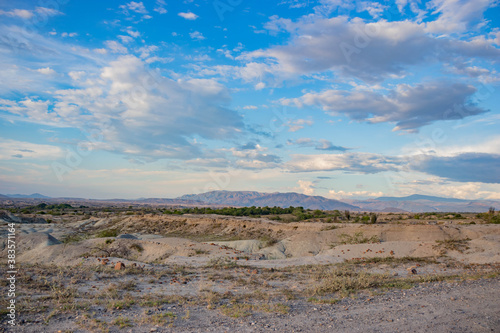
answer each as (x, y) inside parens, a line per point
(126, 236)
(119, 265)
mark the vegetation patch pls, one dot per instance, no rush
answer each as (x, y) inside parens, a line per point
(357, 238)
(459, 245)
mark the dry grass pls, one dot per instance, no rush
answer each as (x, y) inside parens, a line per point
(460, 245)
(357, 238)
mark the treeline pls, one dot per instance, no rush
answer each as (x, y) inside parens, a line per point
(295, 213)
(241, 211)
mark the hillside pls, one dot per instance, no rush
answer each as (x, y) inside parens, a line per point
(249, 198)
(422, 203)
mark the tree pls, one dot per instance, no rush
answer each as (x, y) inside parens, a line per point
(373, 218)
(347, 215)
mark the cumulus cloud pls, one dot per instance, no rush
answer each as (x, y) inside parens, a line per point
(317, 144)
(254, 156)
(46, 71)
(305, 187)
(196, 35)
(13, 149)
(160, 7)
(188, 16)
(28, 14)
(137, 7)
(351, 162)
(297, 124)
(409, 107)
(371, 51)
(456, 16)
(467, 167)
(115, 47)
(139, 112)
(338, 195)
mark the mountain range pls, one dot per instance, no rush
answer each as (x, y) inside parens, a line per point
(414, 203)
(26, 196)
(248, 199)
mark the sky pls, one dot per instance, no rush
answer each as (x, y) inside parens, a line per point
(343, 99)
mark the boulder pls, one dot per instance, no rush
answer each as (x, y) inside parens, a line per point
(119, 266)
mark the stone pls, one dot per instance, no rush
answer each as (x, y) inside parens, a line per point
(119, 265)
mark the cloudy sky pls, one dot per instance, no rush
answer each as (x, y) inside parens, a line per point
(344, 99)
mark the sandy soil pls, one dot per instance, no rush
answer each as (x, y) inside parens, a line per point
(217, 274)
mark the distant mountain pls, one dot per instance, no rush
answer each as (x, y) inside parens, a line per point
(28, 196)
(3, 196)
(249, 198)
(418, 203)
(415, 197)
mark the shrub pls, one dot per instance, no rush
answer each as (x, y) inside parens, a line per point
(357, 238)
(107, 233)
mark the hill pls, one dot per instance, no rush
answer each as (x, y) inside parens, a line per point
(418, 203)
(27, 196)
(251, 198)
(416, 197)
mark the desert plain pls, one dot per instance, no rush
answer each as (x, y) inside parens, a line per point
(142, 270)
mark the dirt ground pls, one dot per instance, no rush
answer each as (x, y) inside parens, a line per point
(216, 274)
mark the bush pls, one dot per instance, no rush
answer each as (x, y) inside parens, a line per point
(357, 238)
(107, 233)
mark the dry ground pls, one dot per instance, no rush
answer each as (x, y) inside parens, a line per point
(216, 274)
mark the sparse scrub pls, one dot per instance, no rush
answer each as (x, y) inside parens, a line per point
(357, 238)
(107, 233)
(459, 245)
(73, 238)
(222, 262)
(122, 322)
(268, 240)
(137, 247)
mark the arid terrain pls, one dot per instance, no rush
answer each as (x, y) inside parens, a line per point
(108, 270)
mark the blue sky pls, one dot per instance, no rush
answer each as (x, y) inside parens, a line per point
(344, 99)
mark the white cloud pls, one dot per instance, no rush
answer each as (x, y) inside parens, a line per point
(32, 109)
(260, 86)
(163, 60)
(46, 71)
(125, 39)
(456, 16)
(127, 98)
(161, 10)
(13, 149)
(70, 34)
(196, 35)
(298, 124)
(76, 75)
(160, 7)
(489, 145)
(350, 162)
(409, 107)
(28, 14)
(371, 51)
(250, 107)
(101, 51)
(21, 13)
(321, 144)
(115, 47)
(254, 156)
(137, 7)
(339, 195)
(133, 33)
(188, 16)
(305, 187)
